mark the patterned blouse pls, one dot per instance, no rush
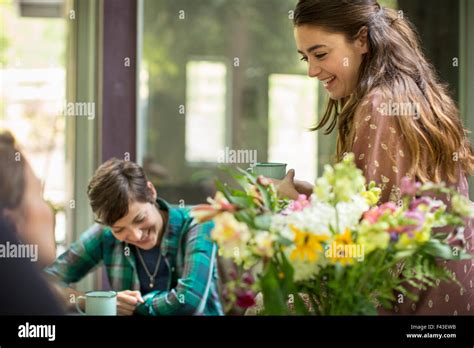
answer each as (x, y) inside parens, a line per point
(381, 152)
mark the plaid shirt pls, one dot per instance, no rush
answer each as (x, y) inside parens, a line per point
(187, 249)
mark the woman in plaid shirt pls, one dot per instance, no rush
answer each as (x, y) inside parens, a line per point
(157, 258)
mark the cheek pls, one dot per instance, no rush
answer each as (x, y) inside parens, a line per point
(149, 223)
(37, 219)
(120, 236)
(351, 70)
(42, 212)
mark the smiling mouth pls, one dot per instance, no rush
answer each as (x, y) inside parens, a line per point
(327, 81)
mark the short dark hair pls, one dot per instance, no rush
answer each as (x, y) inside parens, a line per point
(114, 185)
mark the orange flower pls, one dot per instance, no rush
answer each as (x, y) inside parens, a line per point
(205, 212)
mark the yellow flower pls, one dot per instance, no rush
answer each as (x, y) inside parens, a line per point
(307, 245)
(418, 238)
(342, 248)
(372, 196)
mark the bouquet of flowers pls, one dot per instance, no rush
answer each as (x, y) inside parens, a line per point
(335, 252)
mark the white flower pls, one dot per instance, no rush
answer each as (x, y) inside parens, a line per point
(462, 206)
(264, 244)
(305, 270)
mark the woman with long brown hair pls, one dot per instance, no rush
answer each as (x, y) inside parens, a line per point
(391, 111)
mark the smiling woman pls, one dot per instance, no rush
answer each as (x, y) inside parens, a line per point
(368, 57)
(332, 60)
(158, 259)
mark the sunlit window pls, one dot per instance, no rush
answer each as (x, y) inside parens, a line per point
(292, 109)
(205, 110)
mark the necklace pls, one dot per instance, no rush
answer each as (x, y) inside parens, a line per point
(151, 276)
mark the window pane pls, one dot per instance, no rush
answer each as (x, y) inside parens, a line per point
(209, 89)
(206, 104)
(293, 106)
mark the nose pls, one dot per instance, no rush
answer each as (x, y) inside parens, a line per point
(136, 234)
(313, 69)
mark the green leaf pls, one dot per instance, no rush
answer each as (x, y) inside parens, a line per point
(400, 255)
(274, 300)
(263, 222)
(436, 248)
(289, 285)
(264, 190)
(440, 236)
(250, 177)
(245, 216)
(244, 202)
(224, 189)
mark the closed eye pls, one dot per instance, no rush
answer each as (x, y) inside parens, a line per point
(139, 219)
(320, 56)
(304, 59)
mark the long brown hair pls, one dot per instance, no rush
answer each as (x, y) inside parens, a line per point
(12, 173)
(396, 66)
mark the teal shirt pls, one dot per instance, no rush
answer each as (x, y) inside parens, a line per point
(187, 249)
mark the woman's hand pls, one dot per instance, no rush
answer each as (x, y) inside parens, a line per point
(291, 188)
(127, 301)
(286, 187)
(304, 187)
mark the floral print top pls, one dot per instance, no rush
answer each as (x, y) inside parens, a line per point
(381, 152)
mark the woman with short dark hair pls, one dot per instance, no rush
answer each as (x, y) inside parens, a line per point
(158, 259)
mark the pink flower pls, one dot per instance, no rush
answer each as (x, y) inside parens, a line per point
(418, 221)
(420, 201)
(203, 212)
(247, 278)
(409, 187)
(300, 203)
(389, 206)
(245, 298)
(374, 214)
(264, 181)
(206, 212)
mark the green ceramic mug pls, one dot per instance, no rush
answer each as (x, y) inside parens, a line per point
(269, 169)
(98, 303)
